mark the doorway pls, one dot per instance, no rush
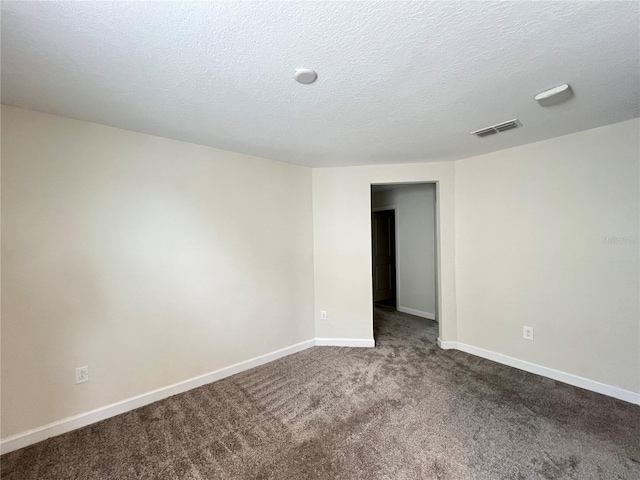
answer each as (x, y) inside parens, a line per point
(404, 239)
(383, 246)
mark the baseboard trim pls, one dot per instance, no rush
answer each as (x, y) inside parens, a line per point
(74, 422)
(39, 434)
(417, 313)
(447, 345)
(571, 379)
(346, 342)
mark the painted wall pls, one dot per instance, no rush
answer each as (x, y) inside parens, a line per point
(342, 244)
(416, 263)
(147, 259)
(153, 261)
(547, 236)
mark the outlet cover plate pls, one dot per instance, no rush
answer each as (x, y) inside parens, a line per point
(82, 374)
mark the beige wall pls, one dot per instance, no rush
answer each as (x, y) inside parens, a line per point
(530, 228)
(530, 224)
(150, 260)
(416, 262)
(153, 261)
(342, 242)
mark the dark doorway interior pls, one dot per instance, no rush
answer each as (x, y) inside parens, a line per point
(383, 241)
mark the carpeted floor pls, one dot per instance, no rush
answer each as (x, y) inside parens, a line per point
(404, 410)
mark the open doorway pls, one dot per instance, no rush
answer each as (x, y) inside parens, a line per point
(404, 254)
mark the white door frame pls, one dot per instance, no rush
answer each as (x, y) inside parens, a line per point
(437, 243)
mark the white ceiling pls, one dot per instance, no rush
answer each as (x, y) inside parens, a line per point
(398, 81)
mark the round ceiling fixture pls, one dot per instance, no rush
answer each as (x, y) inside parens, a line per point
(305, 76)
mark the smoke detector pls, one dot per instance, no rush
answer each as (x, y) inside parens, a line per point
(305, 76)
(554, 95)
(498, 128)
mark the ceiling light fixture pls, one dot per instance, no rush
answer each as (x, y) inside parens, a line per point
(305, 76)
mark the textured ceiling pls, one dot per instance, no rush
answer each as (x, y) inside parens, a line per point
(398, 81)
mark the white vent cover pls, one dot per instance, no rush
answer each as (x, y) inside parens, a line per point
(500, 127)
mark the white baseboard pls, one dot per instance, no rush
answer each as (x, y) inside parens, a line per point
(345, 342)
(35, 435)
(39, 434)
(571, 379)
(417, 313)
(447, 345)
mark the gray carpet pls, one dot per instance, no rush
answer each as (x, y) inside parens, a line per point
(404, 410)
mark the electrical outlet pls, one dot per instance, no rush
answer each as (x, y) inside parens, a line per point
(527, 333)
(323, 315)
(82, 374)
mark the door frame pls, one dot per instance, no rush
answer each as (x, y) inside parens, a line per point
(438, 245)
(397, 246)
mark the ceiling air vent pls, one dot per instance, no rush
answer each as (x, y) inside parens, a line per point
(500, 127)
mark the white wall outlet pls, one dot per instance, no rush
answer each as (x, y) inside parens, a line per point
(323, 315)
(527, 332)
(82, 374)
